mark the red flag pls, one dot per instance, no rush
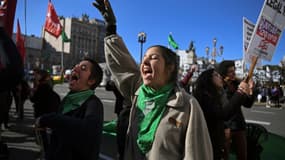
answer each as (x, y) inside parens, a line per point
(20, 42)
(7, 14)
(52, 24)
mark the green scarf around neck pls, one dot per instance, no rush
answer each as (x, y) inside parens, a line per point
(74, 100)
(151, 105)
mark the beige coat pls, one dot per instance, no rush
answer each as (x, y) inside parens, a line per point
(182, 132)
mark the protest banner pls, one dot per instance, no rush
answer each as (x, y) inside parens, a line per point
(270, 24)
(267, 32)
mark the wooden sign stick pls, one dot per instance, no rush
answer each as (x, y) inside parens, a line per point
(252, 66)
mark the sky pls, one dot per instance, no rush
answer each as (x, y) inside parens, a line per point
(187, 20)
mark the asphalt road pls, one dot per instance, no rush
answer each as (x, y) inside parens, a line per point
(271, 118)
(21, 137)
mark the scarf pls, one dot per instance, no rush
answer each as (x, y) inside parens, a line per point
(74, 100)
(151, 106)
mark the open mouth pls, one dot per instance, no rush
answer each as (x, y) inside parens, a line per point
(146, 70)
(74, 77)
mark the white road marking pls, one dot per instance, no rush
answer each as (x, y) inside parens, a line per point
(258, 122)
(107, 100)
(105, 157)
(265, 112)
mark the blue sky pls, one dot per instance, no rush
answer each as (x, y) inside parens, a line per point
(187, 20)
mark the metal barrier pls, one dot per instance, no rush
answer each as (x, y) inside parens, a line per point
(256, 135)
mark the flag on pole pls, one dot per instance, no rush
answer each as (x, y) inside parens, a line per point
(64, 37)
(171, 42)
(7, 14)
(20, 42)
(52, 23)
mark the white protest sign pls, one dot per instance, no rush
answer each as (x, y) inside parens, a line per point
(269, 28)
(248, 28)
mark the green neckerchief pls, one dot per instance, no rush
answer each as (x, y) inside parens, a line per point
(151, 105)
(74, 100)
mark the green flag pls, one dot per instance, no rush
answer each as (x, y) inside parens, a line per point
(64, 37)
(172, 42)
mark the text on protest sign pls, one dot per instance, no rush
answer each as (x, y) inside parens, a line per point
(269, 28)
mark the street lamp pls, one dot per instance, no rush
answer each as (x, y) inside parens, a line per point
(141, 40)
(214, 53)
(62, 45)
(207, 49)
(282, 62)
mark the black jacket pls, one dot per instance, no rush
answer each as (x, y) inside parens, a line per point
(237, 121)
(45, 100)
(76, 135)
(216, 114)
(11, 65)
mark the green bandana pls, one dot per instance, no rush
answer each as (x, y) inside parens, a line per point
(73, 101)
(151, 105)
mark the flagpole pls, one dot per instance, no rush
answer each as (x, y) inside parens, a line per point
(25, 17)
(62, 43)
(27, 57)
(62, 48)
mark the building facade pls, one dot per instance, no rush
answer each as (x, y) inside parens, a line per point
(86, 40)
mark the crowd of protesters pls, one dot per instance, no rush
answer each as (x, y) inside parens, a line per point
(272, 95)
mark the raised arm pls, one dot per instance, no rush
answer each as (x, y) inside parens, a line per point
(118, 58)
(188, 76)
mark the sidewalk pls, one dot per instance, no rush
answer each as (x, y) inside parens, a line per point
(263, 104)
(20, 136)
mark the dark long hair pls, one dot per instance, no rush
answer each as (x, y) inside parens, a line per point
(204, 86)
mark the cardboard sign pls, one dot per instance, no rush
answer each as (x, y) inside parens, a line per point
(267, 33)
(248, 28)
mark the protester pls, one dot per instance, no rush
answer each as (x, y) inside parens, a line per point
(5, 104)
(45, 100)
(110, 86)
(275, 95)
(11, 65)
(20, 94)
(235, 131)
(184, 82)
(208, 90)
(77, 127)
(123, 111)
(165, 122)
